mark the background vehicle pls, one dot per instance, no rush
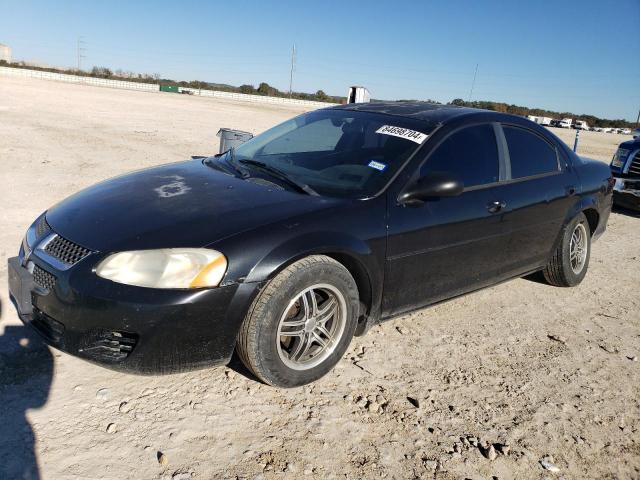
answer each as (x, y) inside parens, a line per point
(581, 125)
(540, 120)
(307, 234)
(625, 167)
(566, 123)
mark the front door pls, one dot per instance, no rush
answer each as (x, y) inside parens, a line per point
(451, 245)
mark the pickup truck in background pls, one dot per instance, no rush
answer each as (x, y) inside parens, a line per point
(625, 168)
(566, 123)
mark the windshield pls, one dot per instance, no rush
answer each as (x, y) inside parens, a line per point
(337, 152)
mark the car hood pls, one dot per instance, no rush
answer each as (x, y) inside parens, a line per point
(185, 204)
(631, 144)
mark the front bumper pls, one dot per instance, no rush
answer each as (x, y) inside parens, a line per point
(626, 193)
(131, 329)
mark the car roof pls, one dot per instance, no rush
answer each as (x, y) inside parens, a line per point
(425, 111)
(435, 114)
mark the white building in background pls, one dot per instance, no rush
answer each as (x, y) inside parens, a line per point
(5, 53)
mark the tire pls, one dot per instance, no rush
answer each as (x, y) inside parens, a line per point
(287, 316)
(561, 271)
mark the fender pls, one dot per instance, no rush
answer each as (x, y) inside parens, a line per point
(256, 258)
(581, 204)
(364, 263)
(306, 244)
(348, 232)
(587, 202)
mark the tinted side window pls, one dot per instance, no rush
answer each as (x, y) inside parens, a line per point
(530, 154)
(470, 153)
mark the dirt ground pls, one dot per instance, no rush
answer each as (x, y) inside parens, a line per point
(411, 399)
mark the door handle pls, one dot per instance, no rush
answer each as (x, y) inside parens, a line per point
(495, 207)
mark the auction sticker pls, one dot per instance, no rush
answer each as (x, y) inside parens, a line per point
(400, 132)
(377, 165)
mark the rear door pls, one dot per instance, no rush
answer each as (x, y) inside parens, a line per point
(448, 246)
(538, 191)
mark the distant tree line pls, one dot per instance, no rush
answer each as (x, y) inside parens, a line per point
(592, 120)
(320, 96)
(267, 90)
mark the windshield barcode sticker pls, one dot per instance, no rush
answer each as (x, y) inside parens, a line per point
(405, 133)
(377, 165)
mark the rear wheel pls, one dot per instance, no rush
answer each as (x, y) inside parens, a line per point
(570, 261)
(301, 324)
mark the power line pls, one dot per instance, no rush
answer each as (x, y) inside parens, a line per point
(391, 75)
(293, 66)
(79, 51)
(335, 61)
(473, 84)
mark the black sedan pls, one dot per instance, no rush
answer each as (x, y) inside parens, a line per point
(285, 247)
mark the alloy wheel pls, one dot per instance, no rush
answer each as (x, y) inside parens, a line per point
(578, 248)
(311, 326)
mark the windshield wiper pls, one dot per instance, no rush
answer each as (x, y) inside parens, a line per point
(231, 160)
(223, 162)
(303, 187)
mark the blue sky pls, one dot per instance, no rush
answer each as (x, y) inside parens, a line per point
(579, 56)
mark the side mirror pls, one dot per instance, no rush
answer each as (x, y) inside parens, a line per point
(434, 185)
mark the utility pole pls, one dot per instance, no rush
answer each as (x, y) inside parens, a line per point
(79, 51)
(473, 84)
(293, 66)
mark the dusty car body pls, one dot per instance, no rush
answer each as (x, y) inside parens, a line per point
(410, 203)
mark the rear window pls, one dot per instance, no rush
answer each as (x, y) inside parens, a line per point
(471, 154)
(530, 155)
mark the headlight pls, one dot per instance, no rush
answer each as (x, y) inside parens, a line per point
(165, 268)
(620, 157)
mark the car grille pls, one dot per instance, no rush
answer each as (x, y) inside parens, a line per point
(42, 227)
(66, 251)
(110, 345)
(43, 278)
(634, 168)
(51, 329)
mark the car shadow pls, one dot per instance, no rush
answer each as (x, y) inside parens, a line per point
(26, 372)
(237, 366)
(625, 211)
(537, 277)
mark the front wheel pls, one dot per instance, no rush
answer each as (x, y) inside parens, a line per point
(570, 261)
(301, 324)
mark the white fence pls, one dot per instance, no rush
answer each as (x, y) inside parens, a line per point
(244, 97)
(154, 87)
(63, 77)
